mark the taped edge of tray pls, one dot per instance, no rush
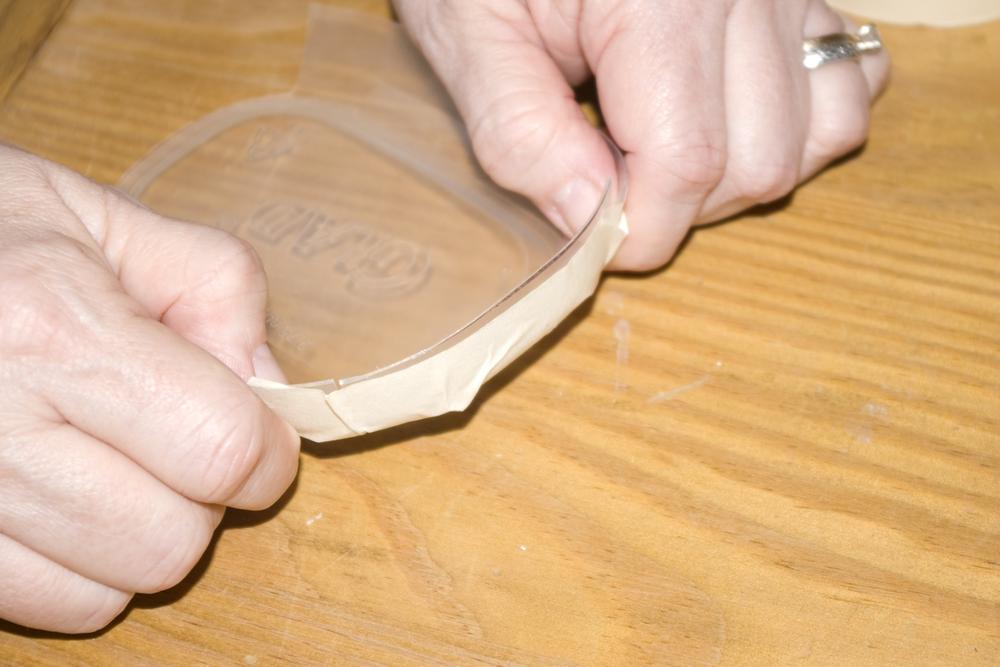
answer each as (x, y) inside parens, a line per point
(448, 380)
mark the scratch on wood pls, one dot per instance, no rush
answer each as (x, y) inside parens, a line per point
(661, 396)
(622, 332)
(426, 577)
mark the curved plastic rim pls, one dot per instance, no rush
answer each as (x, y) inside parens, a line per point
(138, 178)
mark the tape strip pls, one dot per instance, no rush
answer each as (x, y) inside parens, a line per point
(449, 379)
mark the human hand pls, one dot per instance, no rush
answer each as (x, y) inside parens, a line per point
(126, 424)
(708, 99)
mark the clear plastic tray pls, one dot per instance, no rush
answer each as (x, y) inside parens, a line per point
(382, 240)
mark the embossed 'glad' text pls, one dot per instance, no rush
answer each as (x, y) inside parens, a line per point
(376, 264)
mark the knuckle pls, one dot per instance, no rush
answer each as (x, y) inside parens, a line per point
(766, 181)
(240, 268)
(648, 259)
(100, 614)
(604, 21)
(695, 164)
(243, 258)
(226, 452)
(23, 179)
(29, 321)
(171, 554)
(35, 313)
(515, 131)
(649, 254)
(435, 21)
(833, 137)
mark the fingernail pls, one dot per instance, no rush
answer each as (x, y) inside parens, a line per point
(265, 366)
(575, 204)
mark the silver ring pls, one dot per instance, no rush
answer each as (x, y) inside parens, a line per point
(819, 51)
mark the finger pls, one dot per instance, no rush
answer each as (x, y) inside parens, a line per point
(131, 382)
(557, 26)
(128, 380)
(38, 593)
(88, 508)
(661, 92)
(203, 283)
(875, 66)
(767, 107)
(526, 128)
(841, 99)
(174, 410)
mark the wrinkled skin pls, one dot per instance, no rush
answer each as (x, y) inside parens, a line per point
(708, 99)
(126, 425)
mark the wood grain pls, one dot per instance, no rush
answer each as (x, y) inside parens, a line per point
(24, 24)
(781, 449)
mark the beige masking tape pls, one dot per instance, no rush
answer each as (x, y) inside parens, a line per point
(448, 380)
(446, 376)
(362, 79)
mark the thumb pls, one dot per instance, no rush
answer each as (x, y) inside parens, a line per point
(526, 128)
(206, 285)
(203, 283)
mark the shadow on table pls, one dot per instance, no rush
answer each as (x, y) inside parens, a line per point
(454, 421)
(451, 421)
(233, 520)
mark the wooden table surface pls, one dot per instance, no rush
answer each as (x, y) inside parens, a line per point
(783, 448)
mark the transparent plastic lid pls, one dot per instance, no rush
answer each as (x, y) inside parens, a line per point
(372, 252)
(382, 240)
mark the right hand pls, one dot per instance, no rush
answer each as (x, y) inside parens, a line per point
(708, 99)
(126, 424)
